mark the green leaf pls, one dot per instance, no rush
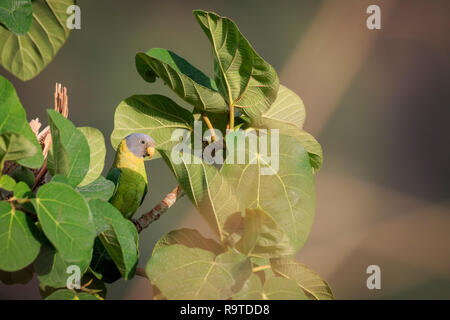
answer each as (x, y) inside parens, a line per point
(189, 83)
(99, 189)
(120, 237)
(17, 277)
(15, 147)
(19, 239)
(7, 183)
(277, 288)
(243, 78)
(26, 56)
(70, 154)
(284, 190)
(16, 15)
(288, 108)
(211, 194)
(190, 238)
(251, 290)
(97, 149)
(311, 283)
(197, 273)
(13, 119)
(51, 268)
(262, 236)
(66, 221)
(154, 115)
(66, 294)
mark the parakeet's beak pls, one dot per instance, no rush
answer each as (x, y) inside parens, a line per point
(150, 151)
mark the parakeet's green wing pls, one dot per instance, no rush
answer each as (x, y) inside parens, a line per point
(145, 193)
(114, 176)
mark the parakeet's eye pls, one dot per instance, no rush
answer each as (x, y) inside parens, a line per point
(142, 141)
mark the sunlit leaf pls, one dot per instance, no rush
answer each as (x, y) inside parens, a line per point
(312, 284)
(97, 154)
(262, 236)
(154, 115)
(189, 83)
(280, 182)
(277, 288)
(211, 194)
(189, 238)
(198, 274)
(287, 108)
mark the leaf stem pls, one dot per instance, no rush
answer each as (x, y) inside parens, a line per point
(210, 127)
(147, 218)
(231, 117)
(260, 268)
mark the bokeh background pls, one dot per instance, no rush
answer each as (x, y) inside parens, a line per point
(377, 100)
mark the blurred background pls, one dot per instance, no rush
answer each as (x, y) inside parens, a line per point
(377, 101)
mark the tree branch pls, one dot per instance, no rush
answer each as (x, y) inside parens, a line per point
(147, 218)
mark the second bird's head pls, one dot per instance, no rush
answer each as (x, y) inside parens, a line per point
(141, 145)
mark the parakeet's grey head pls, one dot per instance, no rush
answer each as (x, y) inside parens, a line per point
(141, 145)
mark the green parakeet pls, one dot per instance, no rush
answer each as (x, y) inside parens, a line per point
(128, 173)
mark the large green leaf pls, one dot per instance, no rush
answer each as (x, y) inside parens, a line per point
(243, 78)
(263, 237)
(284, 190)
(66, 221)
(118, 235)
(197, 273)
(274, 288)
(26, 56)
(97, 149)
(154, 115)
(13, 119)
(19, 239)
(189, 83)
(15, 147)
(51, 268)
(311, 283)
(211, 194)
(16, 15)
(287, 108)
(101, 188)
(70, 154)
(190, 238)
